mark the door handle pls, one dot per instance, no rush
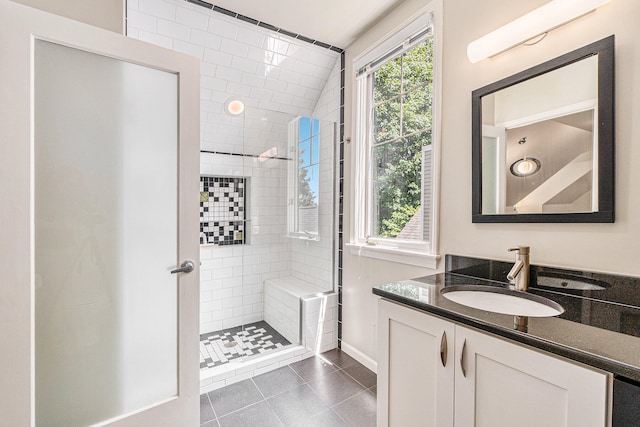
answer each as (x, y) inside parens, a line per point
(443, 349)
(186, 267)
(464, 345)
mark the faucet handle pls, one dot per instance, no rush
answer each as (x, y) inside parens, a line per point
(522, 250)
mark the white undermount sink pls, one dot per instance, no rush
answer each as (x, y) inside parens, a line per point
(502, 300)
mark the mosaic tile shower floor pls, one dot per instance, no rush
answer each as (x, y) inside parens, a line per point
(220, 347)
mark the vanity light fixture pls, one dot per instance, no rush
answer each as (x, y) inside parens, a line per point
(539, 21)
(526, 165)
(234, 106)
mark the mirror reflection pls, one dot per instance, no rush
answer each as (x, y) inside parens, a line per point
(543, 141)
(539, 153)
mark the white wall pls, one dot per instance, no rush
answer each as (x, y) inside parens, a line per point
(570, 85)
(359, 305)
(107, 14)
(598, 247)
(278, 78)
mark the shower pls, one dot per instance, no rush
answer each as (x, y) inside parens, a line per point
(267, 221)
(269, 104)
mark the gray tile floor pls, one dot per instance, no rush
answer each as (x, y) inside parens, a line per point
(337, 391)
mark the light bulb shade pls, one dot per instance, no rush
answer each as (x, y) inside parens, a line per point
(545, 18)
(525, 166)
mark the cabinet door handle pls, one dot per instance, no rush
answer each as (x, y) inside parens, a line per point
(443, 349)
(464, 345)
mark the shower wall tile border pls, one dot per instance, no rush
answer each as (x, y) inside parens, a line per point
(265, 25)
(341, 197)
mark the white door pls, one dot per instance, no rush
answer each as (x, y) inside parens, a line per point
(99, 146)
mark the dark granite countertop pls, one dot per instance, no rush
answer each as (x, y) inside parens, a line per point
(600, 326)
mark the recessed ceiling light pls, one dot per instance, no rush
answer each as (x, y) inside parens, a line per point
(234, 106)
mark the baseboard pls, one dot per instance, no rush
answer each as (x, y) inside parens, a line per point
(360, 357)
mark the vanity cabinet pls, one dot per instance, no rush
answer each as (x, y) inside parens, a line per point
(415, 368)
(470, 378)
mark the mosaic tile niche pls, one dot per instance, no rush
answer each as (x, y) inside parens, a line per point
(222, 210)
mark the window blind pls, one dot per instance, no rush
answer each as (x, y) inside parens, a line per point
(414, 34)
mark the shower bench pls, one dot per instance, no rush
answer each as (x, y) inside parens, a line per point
(302, 312)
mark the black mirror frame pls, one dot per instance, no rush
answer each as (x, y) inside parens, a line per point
(606, 137)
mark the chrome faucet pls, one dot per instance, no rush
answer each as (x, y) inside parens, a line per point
(519, 274)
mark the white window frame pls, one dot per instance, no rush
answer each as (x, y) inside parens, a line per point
(419, 253)
(294, 170)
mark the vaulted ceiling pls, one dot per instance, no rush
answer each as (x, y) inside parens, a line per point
(336, 22)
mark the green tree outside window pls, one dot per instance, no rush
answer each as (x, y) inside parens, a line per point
(401, 113)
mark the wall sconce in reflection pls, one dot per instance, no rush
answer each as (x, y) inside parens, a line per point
(526, 165)
(539, 21)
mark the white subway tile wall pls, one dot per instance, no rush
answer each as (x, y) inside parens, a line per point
(269, 71)
(312, 261)
(282, 310)
(320, 322)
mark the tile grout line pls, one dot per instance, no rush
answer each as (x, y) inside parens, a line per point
(267, 399)
(330, 407)
(241, 409)
(269, 404)
(264, 399)
(316, 394)
(353, 378)
(297, 374)
(215, 415)
(348, 398)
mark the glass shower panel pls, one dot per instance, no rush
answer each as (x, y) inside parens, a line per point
(266, 255)
(290, 164)
(105, 236)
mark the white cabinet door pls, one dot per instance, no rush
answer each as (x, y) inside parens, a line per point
(415, 368)
(99, 141)
(500, 384)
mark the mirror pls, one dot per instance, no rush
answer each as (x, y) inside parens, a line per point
(543, 141)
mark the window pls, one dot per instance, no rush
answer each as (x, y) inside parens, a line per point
(396, 138)
(401, 111)
(304, 174)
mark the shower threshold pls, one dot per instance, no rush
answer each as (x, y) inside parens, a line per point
(248, 367)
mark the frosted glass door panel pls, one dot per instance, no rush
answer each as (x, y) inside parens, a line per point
(106, 139)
